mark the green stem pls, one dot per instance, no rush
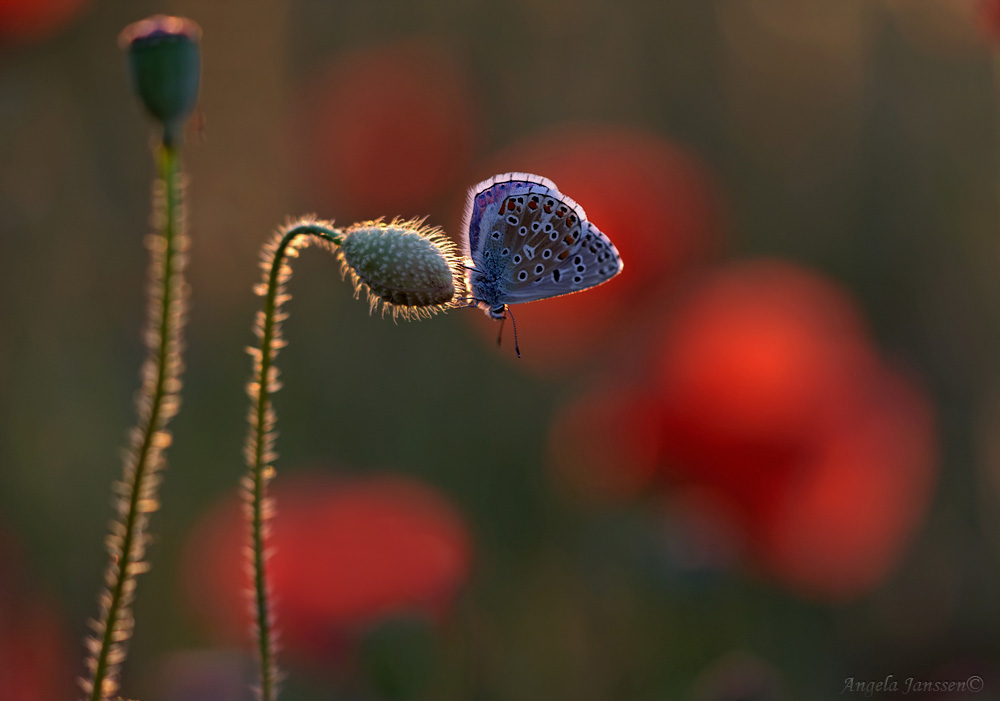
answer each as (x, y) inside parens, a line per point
(260, 440)
(158, 402)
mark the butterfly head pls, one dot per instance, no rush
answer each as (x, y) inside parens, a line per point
(498, 311)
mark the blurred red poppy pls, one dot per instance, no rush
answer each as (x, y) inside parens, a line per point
(754, 360)
(857, 500)
(33, 20)
(387, 130)
(653, 199)
(989, 19)
(772, 405)
(35, 654)
(347, 553)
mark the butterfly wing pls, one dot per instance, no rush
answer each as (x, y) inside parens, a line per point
(484, 200)
(527, 242)
(554, 249)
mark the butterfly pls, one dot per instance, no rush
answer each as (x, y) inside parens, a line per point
(526, 241)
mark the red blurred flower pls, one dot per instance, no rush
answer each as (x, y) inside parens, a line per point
(774, 398)
(843, 524)
(754, 362)
(989, 19)
(652, 198)
(772, 406)
(35, 659)
(34, 20)
(347, 553)
(388, 130)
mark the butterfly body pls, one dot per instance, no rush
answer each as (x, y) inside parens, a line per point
(526, 241)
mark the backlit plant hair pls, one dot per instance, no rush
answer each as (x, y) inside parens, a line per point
(165, 67)
(404, 267)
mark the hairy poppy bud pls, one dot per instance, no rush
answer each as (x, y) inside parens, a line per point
(408, 268)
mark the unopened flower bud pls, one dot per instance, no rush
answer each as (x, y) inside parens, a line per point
(165, 66)
(408, 268)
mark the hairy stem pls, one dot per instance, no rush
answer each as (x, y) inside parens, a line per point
(158, 402)
(259, 450)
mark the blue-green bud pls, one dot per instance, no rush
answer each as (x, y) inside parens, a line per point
(165, 66)
(407, 268)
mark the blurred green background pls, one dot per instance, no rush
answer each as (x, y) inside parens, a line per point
(857, 138)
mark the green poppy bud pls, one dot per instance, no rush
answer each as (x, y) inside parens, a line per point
(165, 66)
(407, 268)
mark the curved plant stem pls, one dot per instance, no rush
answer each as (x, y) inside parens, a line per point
(259, 451)
(158, 402)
